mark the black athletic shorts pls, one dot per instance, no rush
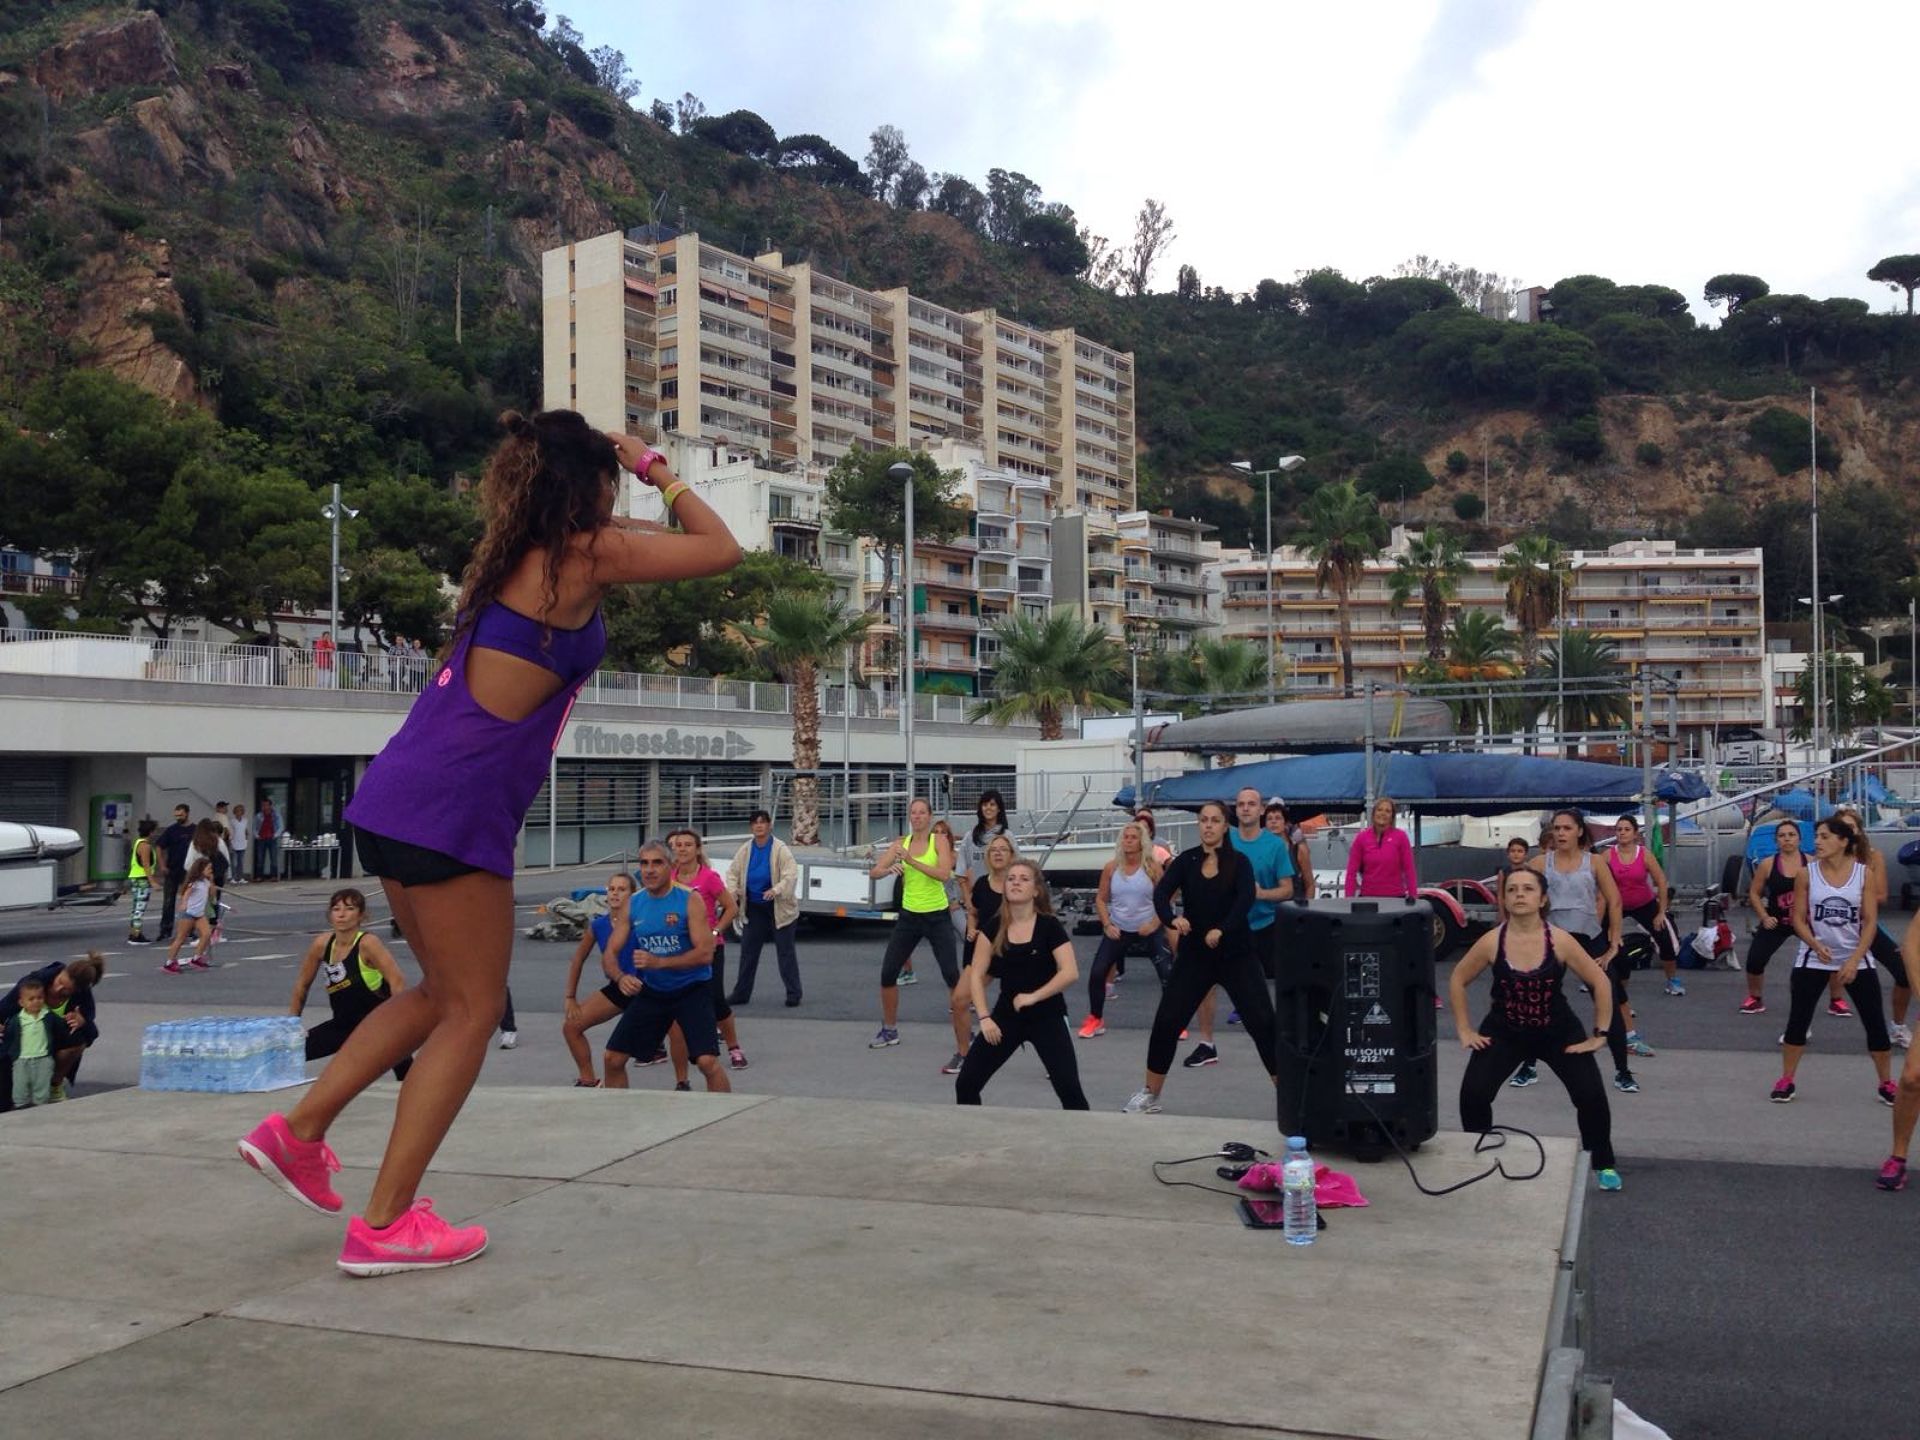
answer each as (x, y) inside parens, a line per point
(406, 864)
(643, 1025)
(615, 996)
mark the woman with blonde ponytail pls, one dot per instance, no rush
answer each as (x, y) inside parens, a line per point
(437, 816)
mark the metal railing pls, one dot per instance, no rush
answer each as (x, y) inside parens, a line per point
(196, 662)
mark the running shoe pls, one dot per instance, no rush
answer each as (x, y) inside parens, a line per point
(1183, 1034)
(1893, 1174)
(1674, 987)
(907, 977)
(1888, 1092)
(1838, 1006)
(1783, 1089)
(593, 1084)
(882, 1038)
(1624, 1082)
(1900, 1035)
(138, 940)
(418, 1240)
(58, 1091)
(683, 1085)
(1113, 991)
(199, 963)
(952, 1067)
(659, 1057)
(1093, 1025)
(1609, 1179)
(1233, 1017)
(1526, 1075)
(299, 1167)
(736, 1057)
(1144, 1102)
(172, 968)
(509, 1039)
(1753, 1005)
(1637, 1046)
(1201, 1054)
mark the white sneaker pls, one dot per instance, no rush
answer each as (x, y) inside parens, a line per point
(509, 1039)
(1144, 1102)
(1901, 1036)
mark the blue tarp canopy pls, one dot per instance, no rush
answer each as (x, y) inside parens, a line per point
(1446, 784)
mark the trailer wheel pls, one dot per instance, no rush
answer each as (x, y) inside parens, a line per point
(1448, 935)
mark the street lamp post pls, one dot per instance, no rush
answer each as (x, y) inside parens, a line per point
(1245, 467)
(1139, 733)
(1819, 603)
(1560, 656)
(901, 473)
(331, 512)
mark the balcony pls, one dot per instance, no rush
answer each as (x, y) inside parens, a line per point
(1104, 595)
(840, 563)
(21, 582)
(994, 584)
(963, 663)
(1030, 585)
(946, 620)
(995, 542)
(1104, 565)
(794, 511)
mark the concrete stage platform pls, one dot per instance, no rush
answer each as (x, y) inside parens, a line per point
(745, 1266)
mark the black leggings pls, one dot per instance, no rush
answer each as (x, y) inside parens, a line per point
(1766, 944)
(1488, 1068)
(1617, 971)
(1886, 954)
(1662, 933)
(909, 930)
(1806, 987)
(1196, 970)
(328, 1036)
(1052, 1041)
(1112, 952)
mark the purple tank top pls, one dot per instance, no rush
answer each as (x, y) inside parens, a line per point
(459, 779)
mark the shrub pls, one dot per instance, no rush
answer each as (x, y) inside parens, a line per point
(1648, 453)
(1457, 462)
(1469, 506)
(129, 218)
(1580, 438)
(1781, 436)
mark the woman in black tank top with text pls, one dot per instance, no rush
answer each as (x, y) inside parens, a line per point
(1530, 1020)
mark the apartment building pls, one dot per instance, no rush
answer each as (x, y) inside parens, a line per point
(1166, 579)
(1694, 616)
(666, 334)
(963, 587)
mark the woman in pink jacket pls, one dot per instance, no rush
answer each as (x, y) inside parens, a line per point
(1380, 864)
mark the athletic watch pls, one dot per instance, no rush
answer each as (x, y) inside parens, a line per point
(1599, 1034)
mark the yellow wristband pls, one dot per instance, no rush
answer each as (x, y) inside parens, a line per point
(673, 492)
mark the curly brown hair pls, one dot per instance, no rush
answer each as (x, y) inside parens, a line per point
(545, 484)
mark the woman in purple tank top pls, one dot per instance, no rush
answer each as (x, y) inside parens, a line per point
(437, 814)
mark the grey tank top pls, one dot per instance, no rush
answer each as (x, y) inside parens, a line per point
(1573, 897)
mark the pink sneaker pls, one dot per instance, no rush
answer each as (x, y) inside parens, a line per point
(199, 964)
(418, 1240)
(299, 1167)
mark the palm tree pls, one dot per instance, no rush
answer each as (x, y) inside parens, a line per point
(1431, 567)
(1218, 665)
(1479, 648)
(1534, 569)
(800, 633)
(1341, 530)
(1582, 655)
(1047, 665)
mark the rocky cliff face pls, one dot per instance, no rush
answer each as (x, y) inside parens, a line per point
(117, 290)
(135, 51)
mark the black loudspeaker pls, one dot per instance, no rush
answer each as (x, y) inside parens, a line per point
(1354, 1025)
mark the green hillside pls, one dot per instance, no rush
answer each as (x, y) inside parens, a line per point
(316, 225)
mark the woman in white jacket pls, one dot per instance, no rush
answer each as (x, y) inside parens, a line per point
(764, 879)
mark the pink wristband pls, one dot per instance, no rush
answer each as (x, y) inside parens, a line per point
(647, 457)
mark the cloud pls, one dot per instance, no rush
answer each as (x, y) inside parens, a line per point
(1646, 141)
(1462, 34)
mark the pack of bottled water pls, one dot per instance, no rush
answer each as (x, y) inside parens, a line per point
(224, 1054)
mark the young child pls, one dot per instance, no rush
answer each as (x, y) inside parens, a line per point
(196, 890)
(29, 1041)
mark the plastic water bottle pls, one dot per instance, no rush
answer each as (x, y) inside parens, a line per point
(1296, 1184)
(170, 1043)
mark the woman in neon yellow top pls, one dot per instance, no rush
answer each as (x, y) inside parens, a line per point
(924, 863)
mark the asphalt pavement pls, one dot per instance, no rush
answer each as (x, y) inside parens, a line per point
(1748, 1258)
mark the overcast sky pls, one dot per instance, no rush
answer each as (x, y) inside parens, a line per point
(1651, 143)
